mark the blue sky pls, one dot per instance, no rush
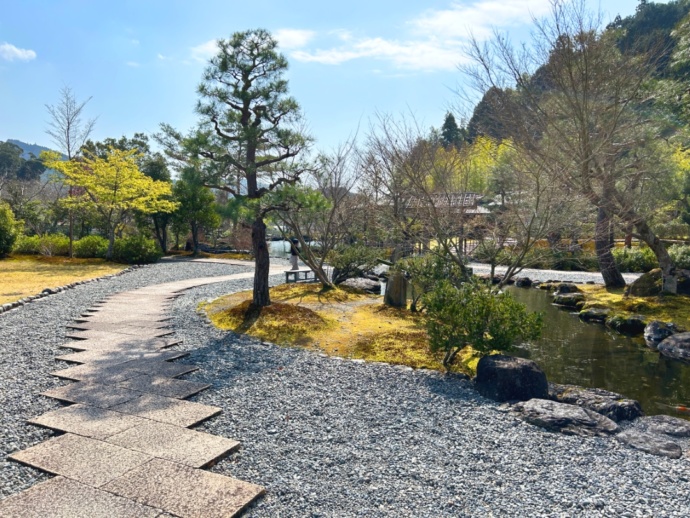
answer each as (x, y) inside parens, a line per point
(140, 60)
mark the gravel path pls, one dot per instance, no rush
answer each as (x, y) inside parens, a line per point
(556, 275)
(330, 437)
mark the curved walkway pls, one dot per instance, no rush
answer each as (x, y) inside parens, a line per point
(126, 448)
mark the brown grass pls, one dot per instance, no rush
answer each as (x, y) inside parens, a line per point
(23, 276)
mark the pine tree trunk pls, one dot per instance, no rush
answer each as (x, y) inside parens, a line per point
(261, 264)
(668, 270)
(602, 242)
(111, 244)
(195, 238)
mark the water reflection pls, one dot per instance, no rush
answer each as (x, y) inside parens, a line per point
(590, 355)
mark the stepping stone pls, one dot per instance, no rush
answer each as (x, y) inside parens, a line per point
(168, 410)
(180, 389)
(188, 447)
(92, 394)
(89, 421)
(96, 373)
(113, 326)
(121, 342)
(185, 491)
(82, 459)
(61, 497)
(116, 356)
(138, 332)
(108, 316)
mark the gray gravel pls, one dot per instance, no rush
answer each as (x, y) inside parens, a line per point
(332, 437)
(553, 275)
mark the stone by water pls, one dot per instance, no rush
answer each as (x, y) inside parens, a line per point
(590, 355)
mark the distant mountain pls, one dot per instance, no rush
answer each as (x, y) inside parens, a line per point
(29, 149)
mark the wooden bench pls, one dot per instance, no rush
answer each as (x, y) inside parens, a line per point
(301, 275)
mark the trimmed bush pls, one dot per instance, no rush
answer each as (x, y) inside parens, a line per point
(680, 255)
(352, 261)
(9, 229)
(53, 244)
(636, 260)
(91, 247)
(136, 250)
(27, 245)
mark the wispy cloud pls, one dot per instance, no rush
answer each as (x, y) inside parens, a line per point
(205, 51)
(293, 38)
(133, 64)
(9, 52)
(434, 40)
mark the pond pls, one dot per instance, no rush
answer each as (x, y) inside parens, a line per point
(590, 355)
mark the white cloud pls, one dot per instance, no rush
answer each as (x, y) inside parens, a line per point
(293, 38)
(9, 52)
(133, 64)
(134, 41)
(205, 51)
(436, 38)
(162, 57)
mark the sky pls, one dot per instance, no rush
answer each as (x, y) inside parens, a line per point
(140, 61)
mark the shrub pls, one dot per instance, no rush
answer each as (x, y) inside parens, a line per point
(27, 245)
(680, 255)
(9, 229)
(638, 259)
(473, 315)
(51, 245)
(352, 261)
(91, 247)
(136, 250)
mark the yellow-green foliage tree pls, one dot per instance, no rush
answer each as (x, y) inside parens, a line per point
(113, 186)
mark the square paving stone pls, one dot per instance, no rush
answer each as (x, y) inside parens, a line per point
(122, 342)
(163, 386)
(96, 373)
(114, 326)
(61, 497)
(185, 491)
(115, 356)
(86, 460)
(92, 394)
(168, 410)
(165, 441)
(89, 421)
(138, 332)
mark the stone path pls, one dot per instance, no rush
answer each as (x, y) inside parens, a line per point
(126, 448)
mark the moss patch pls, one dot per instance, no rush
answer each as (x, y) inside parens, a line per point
(23, 276)
(667, 308)
(338, 322)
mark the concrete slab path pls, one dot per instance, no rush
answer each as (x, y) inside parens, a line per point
(126, 449)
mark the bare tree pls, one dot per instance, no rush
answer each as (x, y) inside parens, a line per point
(69, 131)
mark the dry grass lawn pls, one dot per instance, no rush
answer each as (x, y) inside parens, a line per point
(22, 276)
(339, 322)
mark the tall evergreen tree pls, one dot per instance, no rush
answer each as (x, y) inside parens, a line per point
(451, 134)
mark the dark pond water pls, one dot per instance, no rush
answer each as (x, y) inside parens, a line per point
(590, 355)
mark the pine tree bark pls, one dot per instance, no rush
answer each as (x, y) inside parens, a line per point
(602, 242)
(262, 264)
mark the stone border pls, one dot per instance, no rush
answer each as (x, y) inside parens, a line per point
(8, 306)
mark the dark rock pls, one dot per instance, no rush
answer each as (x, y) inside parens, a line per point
(656, 332)
(570, 300)
(564, 418)
(363, 284)
(610, 404)
(567, 287)
(676, 346)
(632, 325)
(523, 282)
(506, 378)
(650, 443)
(594, 315)
(647, 285)
(666, 424)
(371, 277)
(683, 282)
(547, 286)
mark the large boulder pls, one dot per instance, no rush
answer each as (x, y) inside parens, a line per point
(594, 315)
(523, 282)
(657, 331)
(610, 404)
(683, 282)
(654, 444)
(506, 378)
(631, 325)
(666, 424)
(360, 283)
(569, 300)
(567, 287)
(676, 346)
(564, 418)
(647, 285)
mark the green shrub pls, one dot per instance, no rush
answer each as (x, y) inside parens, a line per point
(51, 245)
(352, 261)
(91, 247)
(27, 245)
(136, 250)
(9, 229)
(636, 260)
(680, 255)
(473, 315)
